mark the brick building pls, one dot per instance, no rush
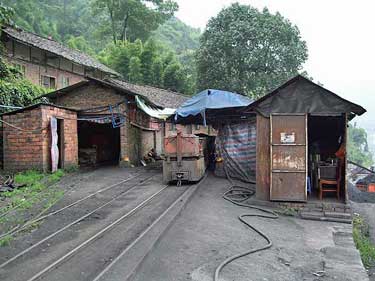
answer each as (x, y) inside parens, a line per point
(27, 138)
(48, 63)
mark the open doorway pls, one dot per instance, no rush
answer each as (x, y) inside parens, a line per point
(60, 143)
(326, 158)
(98, 144)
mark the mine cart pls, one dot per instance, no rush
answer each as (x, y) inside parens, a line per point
(184, 159)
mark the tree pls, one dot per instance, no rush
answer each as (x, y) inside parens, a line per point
(147, 59)
(358, 151)
(174, 77)
(134, 19)
(157, 73)
(248, 51)
(135, 75)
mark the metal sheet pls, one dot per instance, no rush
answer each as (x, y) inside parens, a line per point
(291, 125)
(288, 186)
(288, 152)
(289, 158)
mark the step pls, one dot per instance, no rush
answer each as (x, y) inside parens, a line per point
(339, 215)
(319, 216)
(125, 266)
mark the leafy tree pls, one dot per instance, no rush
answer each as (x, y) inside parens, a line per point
(177, 36)
(132, 19)
(157, 73)
(358, 151)
(147, 59)
(79, 43)
(15, 90)
(135, 66)
(248, 51)
(174, 77)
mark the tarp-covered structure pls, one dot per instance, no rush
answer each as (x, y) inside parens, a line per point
(300, 95)
(206, 106)
(236, 138)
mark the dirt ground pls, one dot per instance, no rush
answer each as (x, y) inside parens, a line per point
(208, 231)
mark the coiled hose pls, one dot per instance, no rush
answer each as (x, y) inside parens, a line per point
(238, 195)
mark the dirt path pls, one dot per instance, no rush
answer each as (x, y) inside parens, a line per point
(208, 231)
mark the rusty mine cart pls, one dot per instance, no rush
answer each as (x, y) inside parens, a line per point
(184, 158)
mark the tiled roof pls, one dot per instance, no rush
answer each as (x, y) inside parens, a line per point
(56, 48)
(160, 97)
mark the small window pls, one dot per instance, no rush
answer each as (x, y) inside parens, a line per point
(64, 81)
(172, 127)
(197, 127)
(21, 68)
(48, 82)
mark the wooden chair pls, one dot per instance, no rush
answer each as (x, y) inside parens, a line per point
(331, 185)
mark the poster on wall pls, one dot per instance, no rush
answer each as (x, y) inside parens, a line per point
(54, 147)
(287, 137)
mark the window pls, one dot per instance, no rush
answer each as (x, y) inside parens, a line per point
(197, 127)
(48, 82)
(64, 81)
(21, 68)
(172, 127)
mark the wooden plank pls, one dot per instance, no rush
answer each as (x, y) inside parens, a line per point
(263, 158)
(295, 125)
(288, 152)
(289, 158)
(287, 187)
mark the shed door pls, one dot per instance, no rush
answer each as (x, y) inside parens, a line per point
(288, 157)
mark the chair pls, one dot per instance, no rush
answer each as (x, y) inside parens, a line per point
(330, 185)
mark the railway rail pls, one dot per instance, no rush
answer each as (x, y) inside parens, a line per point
(131, 188)
(101, 190)
(127, 220)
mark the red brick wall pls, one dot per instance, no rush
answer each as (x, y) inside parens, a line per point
(70, 135)
(34, 71)
(94, 95)
(31, 149)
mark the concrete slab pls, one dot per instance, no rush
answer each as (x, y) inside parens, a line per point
(208, 231)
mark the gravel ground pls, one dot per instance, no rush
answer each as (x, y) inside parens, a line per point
(76, 188)
(208, 231)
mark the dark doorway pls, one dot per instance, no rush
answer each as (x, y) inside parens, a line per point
(98, 144)
(60, 143)
(326, 139)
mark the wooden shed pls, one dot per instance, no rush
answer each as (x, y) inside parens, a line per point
(301, 141)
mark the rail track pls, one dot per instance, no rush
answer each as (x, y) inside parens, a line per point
(127, 191)
(125, 222)
(101, 190)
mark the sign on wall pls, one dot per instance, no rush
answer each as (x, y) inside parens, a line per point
(287, 137)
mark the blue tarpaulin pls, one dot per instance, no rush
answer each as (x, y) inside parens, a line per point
(210, 99)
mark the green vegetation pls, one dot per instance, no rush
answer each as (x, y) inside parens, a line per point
(149, 64)
(14, 89)
(363, 242)
(38, 196)
(358, 151)
(248, 51)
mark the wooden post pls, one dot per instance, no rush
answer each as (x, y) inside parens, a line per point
(263, 158)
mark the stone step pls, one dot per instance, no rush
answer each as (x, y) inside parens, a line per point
(339, 215)
(320, 216)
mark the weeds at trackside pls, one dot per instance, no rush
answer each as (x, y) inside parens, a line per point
(38, 196)
(361, 236)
